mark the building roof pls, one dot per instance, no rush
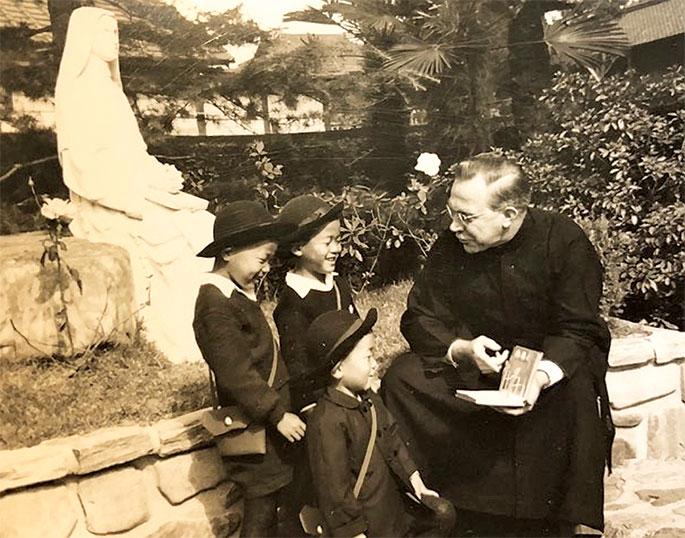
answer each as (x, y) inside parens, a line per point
(346, 56)
(651, 20)
(35, 15)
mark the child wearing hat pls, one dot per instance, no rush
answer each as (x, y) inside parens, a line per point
(312, 286)
(236, 341)
(338, 440)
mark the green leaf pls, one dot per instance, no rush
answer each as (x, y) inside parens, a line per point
(77, 278)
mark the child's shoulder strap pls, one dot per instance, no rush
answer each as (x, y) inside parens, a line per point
(338, 300)
(369, 450)
(274, 363)
(270, 381)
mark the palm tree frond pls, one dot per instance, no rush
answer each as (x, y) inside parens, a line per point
(384, 23)
(587, 40)
(308, 15)
(426, 59)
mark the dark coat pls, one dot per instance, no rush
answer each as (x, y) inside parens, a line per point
(293, 316)
(236, 341)
(337, 436)
(540, 290)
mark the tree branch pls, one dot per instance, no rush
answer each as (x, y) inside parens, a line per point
(28, 342)
(18, 166)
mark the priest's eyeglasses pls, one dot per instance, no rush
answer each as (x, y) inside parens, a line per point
(465, 218)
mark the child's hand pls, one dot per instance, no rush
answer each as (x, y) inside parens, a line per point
(291, 427)
(420, 488)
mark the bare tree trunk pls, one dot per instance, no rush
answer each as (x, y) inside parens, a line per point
(200, 117)
(60, 11)
(529, 65)
(268, 126)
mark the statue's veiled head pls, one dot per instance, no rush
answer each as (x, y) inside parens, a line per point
(92, 33)
(91, 51)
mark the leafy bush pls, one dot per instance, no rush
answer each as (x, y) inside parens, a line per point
(384, 238)
(611, 247)
(613, 156)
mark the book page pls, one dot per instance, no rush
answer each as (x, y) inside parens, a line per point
(494, 398)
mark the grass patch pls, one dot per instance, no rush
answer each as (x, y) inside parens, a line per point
(134, 384)
(116, 385)
(391, 302)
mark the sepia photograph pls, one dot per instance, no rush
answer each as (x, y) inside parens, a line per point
(342, 268)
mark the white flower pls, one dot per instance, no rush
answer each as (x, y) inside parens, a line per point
(428, 163)
(553, 16)
(57, 208)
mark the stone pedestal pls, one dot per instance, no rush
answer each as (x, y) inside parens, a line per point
(30, 297)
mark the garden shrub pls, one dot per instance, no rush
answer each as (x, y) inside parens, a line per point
(384, 238)
(34, 154)
(613, 159)
(224, 166)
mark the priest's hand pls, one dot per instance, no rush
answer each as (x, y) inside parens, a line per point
(485, 352)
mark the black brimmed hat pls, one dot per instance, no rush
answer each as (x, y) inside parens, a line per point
(241, 224)
(309, 214)
(332, 336)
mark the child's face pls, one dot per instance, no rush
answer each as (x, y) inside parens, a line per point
(249, 265)
(355, 370)
(320, 253)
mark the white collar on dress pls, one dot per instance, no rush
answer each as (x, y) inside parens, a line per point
(225, 285)
(304, 284)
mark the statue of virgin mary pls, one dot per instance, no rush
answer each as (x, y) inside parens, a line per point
(122, 194)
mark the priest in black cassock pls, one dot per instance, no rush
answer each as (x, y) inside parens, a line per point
(507, 274)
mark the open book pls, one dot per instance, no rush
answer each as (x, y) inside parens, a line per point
(516, 379)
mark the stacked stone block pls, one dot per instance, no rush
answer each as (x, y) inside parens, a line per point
(646, 381)
(165, 480)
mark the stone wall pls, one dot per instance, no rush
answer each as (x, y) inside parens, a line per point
(167, 480)
(646, 382)
(164, 480)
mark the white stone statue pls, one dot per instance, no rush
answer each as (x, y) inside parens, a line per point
(122, 194)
